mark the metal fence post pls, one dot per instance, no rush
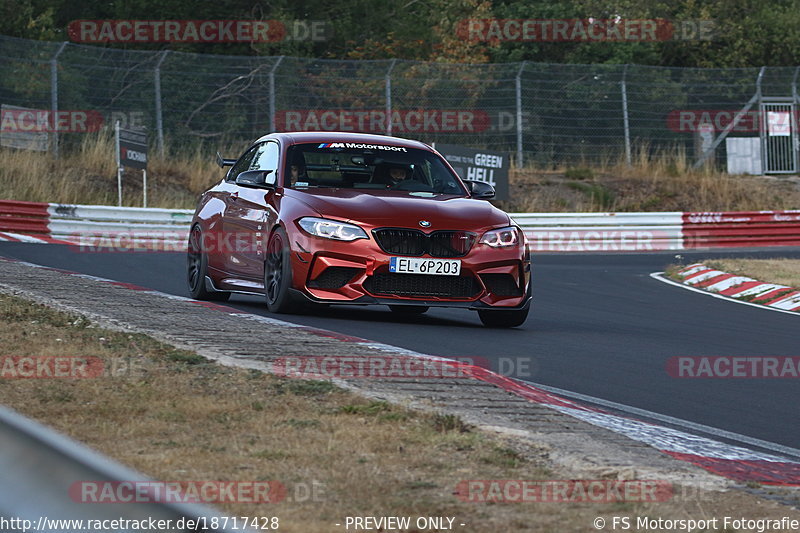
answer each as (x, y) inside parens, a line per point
(389, 97)
(795, 96)
(626, 123)
(54, 96)
(159, 117)
(119, 164)
(519, 113)
(762, 121)
(272, 94)
(793, 119)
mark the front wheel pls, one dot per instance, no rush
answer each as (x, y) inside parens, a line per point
(278, 274)
(197, 269)
(503, 319)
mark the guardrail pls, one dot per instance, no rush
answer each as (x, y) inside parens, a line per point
(40, 467)
(138, 225)
(601, 232)
(95, 225)
(167, 229)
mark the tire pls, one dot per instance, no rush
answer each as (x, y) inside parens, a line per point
(409, 310)
(197, 269)
(503, 319)
(278, 274)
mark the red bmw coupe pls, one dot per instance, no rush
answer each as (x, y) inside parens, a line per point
(343, 218)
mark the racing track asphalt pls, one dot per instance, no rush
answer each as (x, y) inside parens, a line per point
(600, 326)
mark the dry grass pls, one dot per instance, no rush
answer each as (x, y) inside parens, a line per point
(87, 174)
(660, 182)
(780, 271)
(176, 417)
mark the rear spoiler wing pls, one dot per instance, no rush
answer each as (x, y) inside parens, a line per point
(222, 162)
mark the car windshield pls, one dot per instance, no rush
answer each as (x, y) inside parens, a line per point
(368, 166)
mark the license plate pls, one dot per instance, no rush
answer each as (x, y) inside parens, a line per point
(419, 265)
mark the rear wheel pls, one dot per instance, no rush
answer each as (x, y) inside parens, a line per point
(197, 269)
(409, 310)
(278, 274)
(503, 319)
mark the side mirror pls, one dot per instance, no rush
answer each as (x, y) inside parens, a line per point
(222, 162)
(260, 179)
(480, 190)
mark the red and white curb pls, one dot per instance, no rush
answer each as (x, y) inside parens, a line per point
(120, 242)
(741, 288)
(733, 462)
(35, 239)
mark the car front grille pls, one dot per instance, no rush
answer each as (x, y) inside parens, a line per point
(423, 285)
(401, 241)
(445, 243)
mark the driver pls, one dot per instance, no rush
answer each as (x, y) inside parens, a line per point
(397, 175)
(297, 169)
(298, 172)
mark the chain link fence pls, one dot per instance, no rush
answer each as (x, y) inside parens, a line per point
(547, 115)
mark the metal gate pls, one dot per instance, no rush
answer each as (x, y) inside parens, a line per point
(779, 143)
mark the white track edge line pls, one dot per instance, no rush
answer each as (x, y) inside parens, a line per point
(659, 276)
(721, 433)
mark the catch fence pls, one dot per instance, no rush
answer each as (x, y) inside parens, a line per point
(547, 115)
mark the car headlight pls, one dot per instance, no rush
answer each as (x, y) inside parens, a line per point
(332, 229)
(501, 237)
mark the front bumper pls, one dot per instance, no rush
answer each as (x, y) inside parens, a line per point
(357, 273)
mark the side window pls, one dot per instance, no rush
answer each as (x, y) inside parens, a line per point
(242, 164)
(267, 159)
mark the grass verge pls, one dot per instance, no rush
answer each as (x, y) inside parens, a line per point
(87, 174)
(782, 271)
(663, 181)
(176, 417)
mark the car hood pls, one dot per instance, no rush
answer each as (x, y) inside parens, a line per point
(401, 208)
